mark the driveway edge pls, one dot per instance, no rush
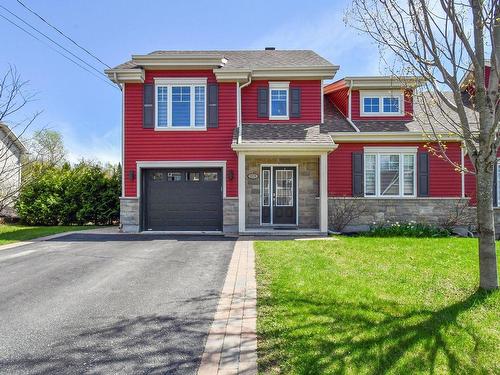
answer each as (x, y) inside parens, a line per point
(54, 236)
(231, 346)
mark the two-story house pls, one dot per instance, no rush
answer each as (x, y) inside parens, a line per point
(253, 141)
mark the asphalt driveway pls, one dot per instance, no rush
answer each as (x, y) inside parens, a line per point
(109, 303)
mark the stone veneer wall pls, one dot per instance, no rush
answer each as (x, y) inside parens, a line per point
(426, 210)
(308, 181)
(129, 215)
(230, 215)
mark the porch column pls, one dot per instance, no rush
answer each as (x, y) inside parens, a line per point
(241, 192)
(323, 192)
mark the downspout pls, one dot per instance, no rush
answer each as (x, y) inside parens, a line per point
(349, 120)
(238, 105)
(462, 161)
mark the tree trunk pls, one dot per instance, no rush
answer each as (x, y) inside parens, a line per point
(488, 273)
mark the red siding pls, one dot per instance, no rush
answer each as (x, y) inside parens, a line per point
(340, 98)
(444, 181)
(470, 181)
(150, 145)
(310, 102)
(356, 108)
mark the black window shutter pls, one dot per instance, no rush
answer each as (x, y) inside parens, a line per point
(495, 182)
(213, 105)
(295, 94)
(357, 174)
(263, 102)
(148, 121)
(423, 174)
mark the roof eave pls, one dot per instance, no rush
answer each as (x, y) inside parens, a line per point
(285, 147)
(125, 75)
(390, 136)
(180, 61)
(15, 140)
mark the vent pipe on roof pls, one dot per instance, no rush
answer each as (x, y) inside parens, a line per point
(270, 48)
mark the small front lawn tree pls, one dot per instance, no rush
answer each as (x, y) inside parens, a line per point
(442, 41)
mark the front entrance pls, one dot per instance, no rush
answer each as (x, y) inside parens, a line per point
(278, 195)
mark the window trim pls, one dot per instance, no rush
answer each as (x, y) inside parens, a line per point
(279, 86)
(381, 95)
(171, 82)
(401, 151)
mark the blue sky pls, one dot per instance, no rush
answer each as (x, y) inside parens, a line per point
(88, 112)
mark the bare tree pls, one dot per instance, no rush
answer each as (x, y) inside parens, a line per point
(442, 41)
(14, 98)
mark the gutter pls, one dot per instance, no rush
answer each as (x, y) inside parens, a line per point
(349, 120)
(238, 105)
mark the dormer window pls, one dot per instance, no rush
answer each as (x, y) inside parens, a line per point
(278, 92)
(381, 104)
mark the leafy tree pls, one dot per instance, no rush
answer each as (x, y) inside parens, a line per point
(441, 41)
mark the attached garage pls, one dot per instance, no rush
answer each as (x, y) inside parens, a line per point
(188, 199)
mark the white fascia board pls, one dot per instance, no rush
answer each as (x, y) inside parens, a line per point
(382, 82)
(179, 61)
(125, 75)
(232, 75)
(288, 148)
(391, 137)
(310, 72)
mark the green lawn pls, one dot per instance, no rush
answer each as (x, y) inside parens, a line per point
(13, 232)
(374, 306)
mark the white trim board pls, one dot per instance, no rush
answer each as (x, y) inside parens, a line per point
(181, 164)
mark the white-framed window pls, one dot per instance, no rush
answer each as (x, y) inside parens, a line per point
(180, 104)
(278, 100)
(390, 172)
(381, 103)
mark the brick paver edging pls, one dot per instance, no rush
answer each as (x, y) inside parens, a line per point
(231, 346)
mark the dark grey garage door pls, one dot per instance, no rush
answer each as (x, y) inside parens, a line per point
(182, 199)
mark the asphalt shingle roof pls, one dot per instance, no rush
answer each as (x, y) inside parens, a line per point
(252, 59)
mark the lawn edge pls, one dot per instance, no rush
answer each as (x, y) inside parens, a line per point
(47, 238)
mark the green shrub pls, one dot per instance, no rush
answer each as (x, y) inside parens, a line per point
(85, 193)
(410, 229)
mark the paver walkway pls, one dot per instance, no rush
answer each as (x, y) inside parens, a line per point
(231, 346)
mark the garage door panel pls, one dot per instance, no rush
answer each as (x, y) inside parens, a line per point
(183, 204)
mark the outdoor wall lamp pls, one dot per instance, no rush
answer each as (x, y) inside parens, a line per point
(230, 175)
(131, 175)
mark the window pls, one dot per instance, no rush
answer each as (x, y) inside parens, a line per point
(390, 173)
(157, 176)
(266, 187)
(385, 104)
(278, 92)
(371, 105)
(210, 176)
(284, 188)
(181, 104)
(174, 176)
(193, 176)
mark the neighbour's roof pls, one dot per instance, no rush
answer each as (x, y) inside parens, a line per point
(11, 138)
(250, 59)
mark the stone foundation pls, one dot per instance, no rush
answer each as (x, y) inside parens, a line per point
(422, 210)
(230, 215)
(308, 189)
(129, 215)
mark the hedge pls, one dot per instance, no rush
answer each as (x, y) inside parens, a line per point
(85, 193)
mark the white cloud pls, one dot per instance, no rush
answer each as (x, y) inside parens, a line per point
(330, 37)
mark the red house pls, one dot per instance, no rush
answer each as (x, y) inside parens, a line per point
(253, 141)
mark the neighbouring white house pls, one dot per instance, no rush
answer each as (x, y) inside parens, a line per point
(11, 152)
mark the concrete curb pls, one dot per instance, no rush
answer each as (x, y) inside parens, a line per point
(231, 346)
